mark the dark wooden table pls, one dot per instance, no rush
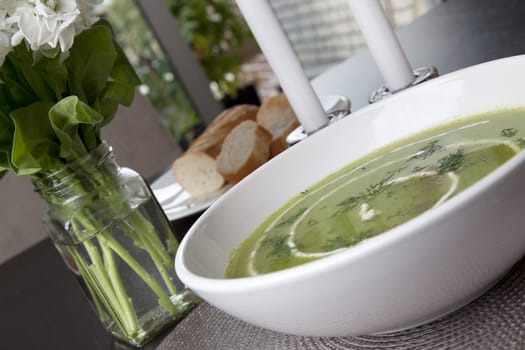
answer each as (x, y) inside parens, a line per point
(42, 306)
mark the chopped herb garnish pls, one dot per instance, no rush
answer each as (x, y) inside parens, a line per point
(349, 203)
(356, 200)
(509, 132)
(336, 243)
(426, 151)
(418, 168)
(379, 187)
(278, 246)
(451, 162)
(291, 219)
(521, 142)
(305, 192)
(311, 222)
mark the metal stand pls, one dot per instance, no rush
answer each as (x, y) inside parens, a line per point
(420, 75)
(337, 107)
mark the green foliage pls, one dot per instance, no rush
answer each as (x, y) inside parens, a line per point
(90, 62)
(45, 77)
(51, 110)
(158, 81)
(7, 129)
(35, 145)
(74, 123)
(216, 32)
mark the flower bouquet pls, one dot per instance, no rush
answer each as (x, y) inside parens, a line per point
(62, 78)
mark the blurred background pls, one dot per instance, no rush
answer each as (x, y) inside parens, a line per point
(195, 58)
(322, 32)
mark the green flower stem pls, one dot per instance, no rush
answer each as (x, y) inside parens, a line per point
(93, 280)
(130, 316)
(164, 300)
(99, 272)
(129, 230)
(145, 227)
(151, 244)
(108, 277)
(89, 282)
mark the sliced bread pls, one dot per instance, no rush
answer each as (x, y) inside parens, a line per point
(210, 141)
(277, 116)
(245, 148)
(197, 173)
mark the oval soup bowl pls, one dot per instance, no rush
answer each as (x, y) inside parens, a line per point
(416, 272)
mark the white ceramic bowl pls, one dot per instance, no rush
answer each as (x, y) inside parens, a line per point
(420, 270)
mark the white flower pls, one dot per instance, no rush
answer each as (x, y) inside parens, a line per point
(5, 46)
(6, 32)
(43, 24)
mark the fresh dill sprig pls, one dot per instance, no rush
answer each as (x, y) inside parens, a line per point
(419, 168)
(509, 132)
(353, 201)
(350, 203)
(451, 162)
(374, 189)
(278, 246)
(521, 142)
(312, 222)
(426, 151)
(291, 219)
(336, 243)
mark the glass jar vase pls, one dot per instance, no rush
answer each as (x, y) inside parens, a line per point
(115, 238)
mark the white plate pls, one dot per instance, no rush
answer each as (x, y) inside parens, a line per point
(178, 203)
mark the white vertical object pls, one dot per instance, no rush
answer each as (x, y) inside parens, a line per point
(382, 43)
(278, 51)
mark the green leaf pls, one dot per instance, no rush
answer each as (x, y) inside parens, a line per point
(49, 53)
(90, 63)
(123, 71)
(16, 93)
(120, 89)
(114, 94)
(90, 135)
(74, 122)
(35, 145)
(46, 76)
(7, 129)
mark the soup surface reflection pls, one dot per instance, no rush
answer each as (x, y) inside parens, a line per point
(380, 191)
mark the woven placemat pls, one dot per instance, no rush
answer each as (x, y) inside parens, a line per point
(496, 320)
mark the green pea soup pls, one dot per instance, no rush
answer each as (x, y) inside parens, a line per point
(380, 191)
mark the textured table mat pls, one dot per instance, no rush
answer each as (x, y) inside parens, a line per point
(496, 320)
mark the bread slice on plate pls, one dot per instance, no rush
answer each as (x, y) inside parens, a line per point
(210, 141)
(196, 172)
(277, 116)
(245, 148)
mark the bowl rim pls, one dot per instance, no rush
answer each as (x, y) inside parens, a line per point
(363, 249)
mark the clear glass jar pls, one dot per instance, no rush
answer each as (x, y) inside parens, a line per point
(115, 238)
